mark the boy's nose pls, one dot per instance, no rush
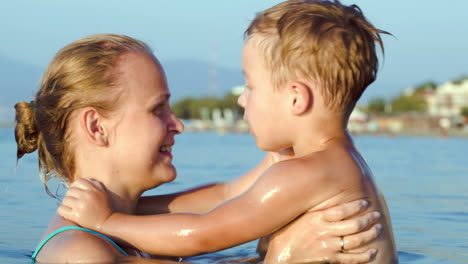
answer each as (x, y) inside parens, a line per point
(241, 100)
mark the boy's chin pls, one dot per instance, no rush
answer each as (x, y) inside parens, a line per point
(265, 147)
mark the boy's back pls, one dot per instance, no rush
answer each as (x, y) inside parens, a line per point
(341, 174)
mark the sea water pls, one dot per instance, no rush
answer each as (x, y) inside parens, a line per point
(424, 180)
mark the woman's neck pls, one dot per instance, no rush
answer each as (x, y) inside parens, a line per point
(95, 162)
(123, 199)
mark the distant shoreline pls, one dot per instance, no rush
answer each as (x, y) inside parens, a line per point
(452, 133)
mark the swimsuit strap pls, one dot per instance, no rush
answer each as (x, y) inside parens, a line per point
(74, 227)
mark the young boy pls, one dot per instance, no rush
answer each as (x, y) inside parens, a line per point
(306, 64)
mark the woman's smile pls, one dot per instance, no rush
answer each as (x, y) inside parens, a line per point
(166, 150)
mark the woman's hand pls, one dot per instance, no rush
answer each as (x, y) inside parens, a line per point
(318, 236)
(86, 203)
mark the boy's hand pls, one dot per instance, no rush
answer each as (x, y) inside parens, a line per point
(316, 236)
(86, 203)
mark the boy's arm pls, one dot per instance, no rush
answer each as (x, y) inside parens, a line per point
(203, 198)
(196, 200)
(272, 202)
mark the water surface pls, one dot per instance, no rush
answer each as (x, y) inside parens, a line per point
(425, 182)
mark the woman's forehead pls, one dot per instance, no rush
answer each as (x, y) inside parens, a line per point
(142, 75)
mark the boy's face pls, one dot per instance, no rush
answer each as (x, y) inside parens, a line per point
(263, 104)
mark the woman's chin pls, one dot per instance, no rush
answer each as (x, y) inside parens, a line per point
(169, 175)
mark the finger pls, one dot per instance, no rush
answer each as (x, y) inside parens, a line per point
(69, 201)
(64, 211)
(97, 184)
(74, 192)
(82, 184)
(360, 239)
(344, 211)
(364, 257)
(355, 225)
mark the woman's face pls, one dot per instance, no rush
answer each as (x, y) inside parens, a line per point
(144, 125)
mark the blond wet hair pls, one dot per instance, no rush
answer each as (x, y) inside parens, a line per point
(82, 74)
(326, 42)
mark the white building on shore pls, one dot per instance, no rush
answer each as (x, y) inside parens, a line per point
(448, 99)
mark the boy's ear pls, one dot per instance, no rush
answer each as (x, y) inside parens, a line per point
(92, 124)
(301, 97)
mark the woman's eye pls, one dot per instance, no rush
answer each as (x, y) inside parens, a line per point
(159, 109)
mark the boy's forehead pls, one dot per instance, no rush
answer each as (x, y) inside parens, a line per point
(251, 50)
(253, 41)
(253, 53)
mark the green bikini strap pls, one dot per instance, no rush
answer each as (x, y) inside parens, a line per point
(78, 228)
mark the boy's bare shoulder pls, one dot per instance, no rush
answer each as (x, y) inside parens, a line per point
(303, 166)
(315, 169)
(322, 163)
(76, 246)
(333, 176)
(329, 169)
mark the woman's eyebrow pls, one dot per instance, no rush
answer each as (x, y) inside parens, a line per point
(160, 98)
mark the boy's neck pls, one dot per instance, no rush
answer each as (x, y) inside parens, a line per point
(317, 134)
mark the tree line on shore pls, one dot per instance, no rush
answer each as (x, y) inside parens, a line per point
(192, 107)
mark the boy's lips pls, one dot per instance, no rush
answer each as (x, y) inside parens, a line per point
(249, 127)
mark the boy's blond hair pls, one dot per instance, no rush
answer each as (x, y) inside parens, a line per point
(323, 41)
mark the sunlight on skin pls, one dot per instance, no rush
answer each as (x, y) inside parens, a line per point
(324, 244)
(184, 232)
(284, 255)
(269, 194)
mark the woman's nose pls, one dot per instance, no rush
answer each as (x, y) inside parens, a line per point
(177, 125)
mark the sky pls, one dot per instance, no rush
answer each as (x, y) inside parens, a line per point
(429, 42)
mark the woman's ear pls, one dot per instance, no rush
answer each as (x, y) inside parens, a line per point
(301, 98)
(92, 124)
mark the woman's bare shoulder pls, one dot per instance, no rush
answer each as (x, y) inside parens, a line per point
(76, 246)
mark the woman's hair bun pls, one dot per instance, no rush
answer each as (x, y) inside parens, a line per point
(26, 130)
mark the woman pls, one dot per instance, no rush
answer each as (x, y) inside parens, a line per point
(103, 111)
